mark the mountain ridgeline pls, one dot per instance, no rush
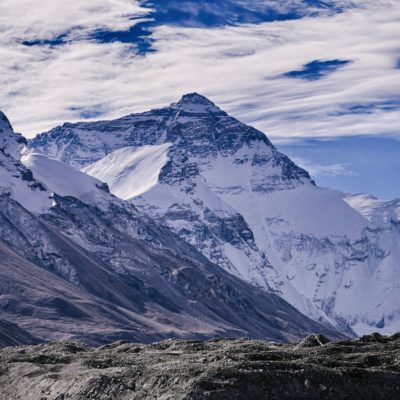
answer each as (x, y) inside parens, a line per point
(183, 222)
(78, 263)
(221, 186)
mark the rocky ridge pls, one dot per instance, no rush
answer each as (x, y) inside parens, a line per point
(219, 369)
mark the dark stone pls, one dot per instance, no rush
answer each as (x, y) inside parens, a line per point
(219, 369)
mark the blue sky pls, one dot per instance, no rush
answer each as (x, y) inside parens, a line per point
(354, 164)
(321, 78)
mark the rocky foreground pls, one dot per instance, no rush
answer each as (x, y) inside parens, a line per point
(368, 368)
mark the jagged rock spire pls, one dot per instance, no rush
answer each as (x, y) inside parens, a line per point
(10, 142)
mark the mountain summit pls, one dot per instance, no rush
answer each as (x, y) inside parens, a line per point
(10, 142)
(196, 103)
(224, 188)
(5, 126)
(195, 98)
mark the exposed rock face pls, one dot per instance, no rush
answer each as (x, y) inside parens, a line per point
(226, 190)
(367, 369)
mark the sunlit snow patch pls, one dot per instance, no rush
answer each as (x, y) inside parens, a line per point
(376, 211)
(130, 171)
(65, 180)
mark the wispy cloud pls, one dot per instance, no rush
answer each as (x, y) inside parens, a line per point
(47, 19)
(317, 170)
(356, 164)
(240, 67)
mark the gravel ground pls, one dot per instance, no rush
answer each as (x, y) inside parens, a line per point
(367, 368)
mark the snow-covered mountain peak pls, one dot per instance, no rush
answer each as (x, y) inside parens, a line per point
(5, 126)
(10, 142)
(198, 131)
(16, 181)
(32, 178)
(195, 98)
(194, 103)
(223, 187)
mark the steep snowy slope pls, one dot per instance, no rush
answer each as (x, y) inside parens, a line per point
(131, 171)
(10, 142)
(224, 188)
(91, 267)
(377, 211)
(17, 181)
(58, 178)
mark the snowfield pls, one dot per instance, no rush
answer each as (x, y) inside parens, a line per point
(64, 180)
(130, 171)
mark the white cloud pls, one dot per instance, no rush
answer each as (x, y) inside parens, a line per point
(317, 170)
(237, 67)
(46, 19)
